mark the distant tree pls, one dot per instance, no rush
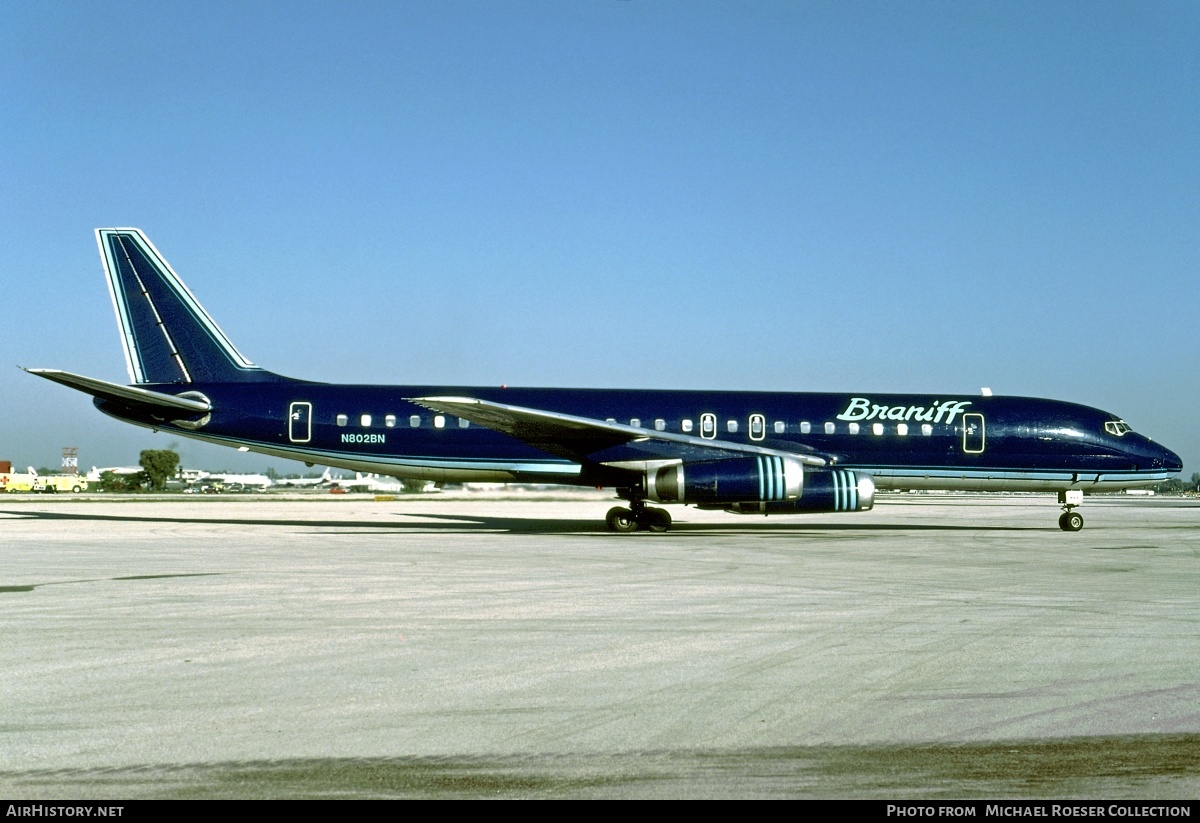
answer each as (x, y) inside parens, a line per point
(113, 482)
(1196, 481)
(411, 486)
(1172, 486)
(159, 464)
(272, 474)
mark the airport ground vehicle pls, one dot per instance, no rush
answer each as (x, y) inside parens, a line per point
(54, 483)
(31, 481)
(11, 481)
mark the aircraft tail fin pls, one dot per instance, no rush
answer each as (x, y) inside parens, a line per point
(167, 335)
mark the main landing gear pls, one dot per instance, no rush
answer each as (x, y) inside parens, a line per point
(1070, 521)
(638, 516)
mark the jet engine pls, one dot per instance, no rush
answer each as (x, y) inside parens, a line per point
(825, 490)
(765, 484)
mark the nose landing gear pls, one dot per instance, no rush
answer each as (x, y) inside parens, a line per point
(1069, 520)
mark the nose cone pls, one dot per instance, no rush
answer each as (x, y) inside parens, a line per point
(1170, 460)
(1148, 455)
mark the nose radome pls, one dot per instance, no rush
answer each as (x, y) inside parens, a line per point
(1163, 457)
(1171, 461)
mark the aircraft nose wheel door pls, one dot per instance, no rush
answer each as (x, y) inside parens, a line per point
(973, 433)
(300, 422)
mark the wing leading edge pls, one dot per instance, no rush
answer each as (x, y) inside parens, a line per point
(586, 439)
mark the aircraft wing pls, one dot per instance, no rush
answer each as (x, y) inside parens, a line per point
(586, 439)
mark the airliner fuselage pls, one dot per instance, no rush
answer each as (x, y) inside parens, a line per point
(764, 452)
(903, 441)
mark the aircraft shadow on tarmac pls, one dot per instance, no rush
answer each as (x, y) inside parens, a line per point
(425, 522)
(32, 586)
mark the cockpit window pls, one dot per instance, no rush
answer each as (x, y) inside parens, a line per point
(1117, 427)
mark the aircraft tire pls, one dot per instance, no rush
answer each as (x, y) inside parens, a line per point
(620, 520)
(657, 520)
(1070, 521)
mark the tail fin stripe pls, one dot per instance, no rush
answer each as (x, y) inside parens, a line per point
(137, 373)
(158, 321)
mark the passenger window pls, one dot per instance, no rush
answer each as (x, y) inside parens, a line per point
(390, 421)
(758, 427)
(708, 425)
(806, 427)
(731, 426)
(926, 429)
(902, 429)
(342, 419)
(414, 421)
(463, 422)
(876, 429)
(439, 421)
(853, 427)
(365, 421)
(660, 425)
(830, 428)
(780, 427)
(686, 425)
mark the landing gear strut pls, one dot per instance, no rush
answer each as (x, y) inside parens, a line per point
(1070, 521)
(638, 516)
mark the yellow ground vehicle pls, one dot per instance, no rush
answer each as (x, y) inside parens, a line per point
(59, 483)
(11, 481)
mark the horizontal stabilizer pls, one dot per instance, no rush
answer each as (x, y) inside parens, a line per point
(122, 394)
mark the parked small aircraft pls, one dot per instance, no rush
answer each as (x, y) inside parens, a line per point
(307, 482)
(743, 452)
(369, 483)
(243, 481)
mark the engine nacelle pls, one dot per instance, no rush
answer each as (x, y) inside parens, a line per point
(825, 490)
(764, 478)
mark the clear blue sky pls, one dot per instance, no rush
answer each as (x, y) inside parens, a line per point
(882, 196)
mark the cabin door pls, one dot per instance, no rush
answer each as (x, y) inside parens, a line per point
(300, 422)
(973, 433)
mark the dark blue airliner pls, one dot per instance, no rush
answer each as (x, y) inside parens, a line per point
(745, 452)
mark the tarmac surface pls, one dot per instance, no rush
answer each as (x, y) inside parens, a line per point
(501, 646)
